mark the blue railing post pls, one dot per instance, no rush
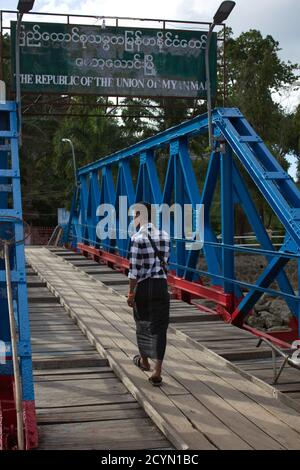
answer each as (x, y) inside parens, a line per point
(227, 214)
(12, 233)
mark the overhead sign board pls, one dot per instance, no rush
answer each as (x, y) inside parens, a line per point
(115, 61)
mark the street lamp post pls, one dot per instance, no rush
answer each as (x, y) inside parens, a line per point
(24, 6)
(220, 16)
(74, 159)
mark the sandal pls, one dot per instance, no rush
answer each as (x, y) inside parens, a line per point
(137, 361)
(155, 381)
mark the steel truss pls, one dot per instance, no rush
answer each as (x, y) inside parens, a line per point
(232, 135)
(12, 232)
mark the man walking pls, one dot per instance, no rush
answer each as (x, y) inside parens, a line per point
(148, 291)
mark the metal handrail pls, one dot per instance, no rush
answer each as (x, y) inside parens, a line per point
(14, 348)
(287, 358)
(52, 235)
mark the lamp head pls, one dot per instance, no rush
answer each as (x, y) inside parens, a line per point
(24, 6)
(223, 12)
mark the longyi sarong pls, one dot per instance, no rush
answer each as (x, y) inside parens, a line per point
(151, 314)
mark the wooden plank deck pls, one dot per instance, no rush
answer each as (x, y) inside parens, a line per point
(196, 324)
(80, 402)
(205, 402)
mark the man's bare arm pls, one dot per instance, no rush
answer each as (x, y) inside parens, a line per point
(132, 284)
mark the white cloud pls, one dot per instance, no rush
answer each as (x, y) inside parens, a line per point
(280, 18)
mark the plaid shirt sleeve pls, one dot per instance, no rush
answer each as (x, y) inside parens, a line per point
(135, 260)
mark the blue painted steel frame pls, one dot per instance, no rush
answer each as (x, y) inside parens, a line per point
(10, 178)
(233, 135)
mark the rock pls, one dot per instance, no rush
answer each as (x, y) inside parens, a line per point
(265, 306)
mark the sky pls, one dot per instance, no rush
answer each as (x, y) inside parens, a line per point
(280, 18)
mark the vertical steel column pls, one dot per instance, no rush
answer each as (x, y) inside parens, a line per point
(83, 238)
(107, 196)
(94, 201)
(179, 200)
(124, 188)
(298, 297)
(227, 215)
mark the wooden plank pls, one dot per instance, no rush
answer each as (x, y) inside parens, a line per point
(288, 376)
(83, 263)
(64, 253)
(37, 320)
(88, 360)
(41, 300)
(288, 387)
(179, 317)
(255, 364)
(71, 334)
(44, 310)
(47, 314)
(114, 282)
(68, 338)
(113, 412)
(39, 291)
(130, 434)
(108, 374)
(35, 283)
(102, 399)
(39, 329)
(294, 395)
(244, 354)
(209, 424)
(123, 290)
(71, 371)
(61, 347)
(213, 336)
(41, 304)
(96, 270)
(74, 392)
(208, 326)
(127, 403)
(244, 344)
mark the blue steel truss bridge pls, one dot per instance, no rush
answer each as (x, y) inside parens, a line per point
(68, 380)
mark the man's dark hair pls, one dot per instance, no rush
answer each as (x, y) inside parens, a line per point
(148, 206)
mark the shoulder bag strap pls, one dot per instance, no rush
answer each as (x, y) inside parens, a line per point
(163, 264)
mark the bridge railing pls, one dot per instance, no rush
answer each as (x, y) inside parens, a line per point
(132, 174)
(14, 319)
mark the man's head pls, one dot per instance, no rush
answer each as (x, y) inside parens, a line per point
(142, 213)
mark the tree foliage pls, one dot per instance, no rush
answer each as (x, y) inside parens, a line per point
(255, 73)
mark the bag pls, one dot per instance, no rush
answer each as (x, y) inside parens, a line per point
(163, 264)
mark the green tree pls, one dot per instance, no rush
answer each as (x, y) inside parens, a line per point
(255, 72)
(292, 137)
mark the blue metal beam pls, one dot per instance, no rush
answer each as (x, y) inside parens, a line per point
(180, 186)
